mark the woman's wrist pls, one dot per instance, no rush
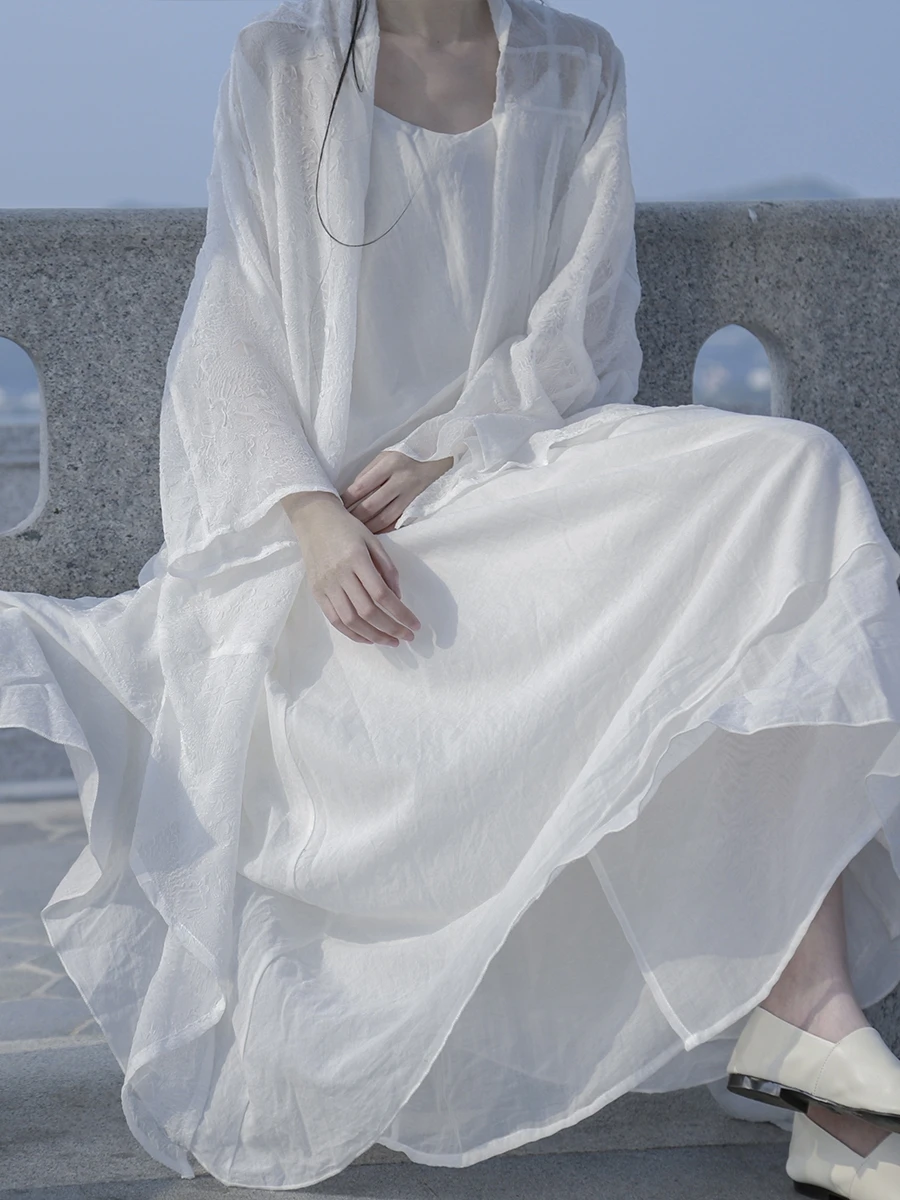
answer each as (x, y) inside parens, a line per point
(299, 503)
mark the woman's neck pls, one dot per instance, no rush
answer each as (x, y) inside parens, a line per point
(436, 22)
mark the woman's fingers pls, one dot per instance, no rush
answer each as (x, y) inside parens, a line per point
(384, 564)
(370, 477)
(386, 518)
(333, 619)
(356, 583)
(382, 584)
(353, 578)
(372, 599)
(375, 502)
(345, 607)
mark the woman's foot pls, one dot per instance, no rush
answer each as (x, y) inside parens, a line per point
(827, 1009)
(829, 1012)
(815, 993)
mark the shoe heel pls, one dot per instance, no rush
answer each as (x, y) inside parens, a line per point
(768, 1091)
(815, 1192)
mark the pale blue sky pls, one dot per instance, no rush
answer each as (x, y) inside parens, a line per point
(105, 101)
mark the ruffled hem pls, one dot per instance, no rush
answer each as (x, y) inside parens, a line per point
(872, 985)
(87, 880)
(647, 1071)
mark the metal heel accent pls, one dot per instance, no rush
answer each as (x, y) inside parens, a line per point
(768, 1091)
(780, 1063)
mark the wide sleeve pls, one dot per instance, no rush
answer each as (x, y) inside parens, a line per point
(580, 348)
(232, 442)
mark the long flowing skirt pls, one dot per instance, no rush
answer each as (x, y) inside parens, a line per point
(553, 850)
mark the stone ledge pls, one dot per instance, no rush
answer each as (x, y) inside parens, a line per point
(95, 297)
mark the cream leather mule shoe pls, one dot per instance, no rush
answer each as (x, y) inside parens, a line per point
(778, 1063)
(821, 1166)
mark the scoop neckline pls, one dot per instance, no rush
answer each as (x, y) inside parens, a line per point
(434, 132)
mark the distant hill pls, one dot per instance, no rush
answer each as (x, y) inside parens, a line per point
(792, 187)
(149, 204)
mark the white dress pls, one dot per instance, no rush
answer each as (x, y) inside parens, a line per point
(559, 846)
(424, 276)
(604, 677)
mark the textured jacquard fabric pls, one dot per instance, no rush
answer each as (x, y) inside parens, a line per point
(455, 895)
(260, 374)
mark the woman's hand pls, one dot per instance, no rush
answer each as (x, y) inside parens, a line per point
(349, 571)
(382, 490)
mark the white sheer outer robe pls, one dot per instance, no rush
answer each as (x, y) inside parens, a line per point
(558, 846)
(268, 335)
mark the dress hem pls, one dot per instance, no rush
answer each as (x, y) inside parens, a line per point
(511, 1141)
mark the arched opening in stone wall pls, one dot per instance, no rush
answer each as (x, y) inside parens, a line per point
(21, 410)
(733, 371)
(31, 768)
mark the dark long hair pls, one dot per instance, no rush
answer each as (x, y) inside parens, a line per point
(360, 7)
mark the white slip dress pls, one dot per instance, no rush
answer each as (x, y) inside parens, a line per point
(556, 848)
(422, 283)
